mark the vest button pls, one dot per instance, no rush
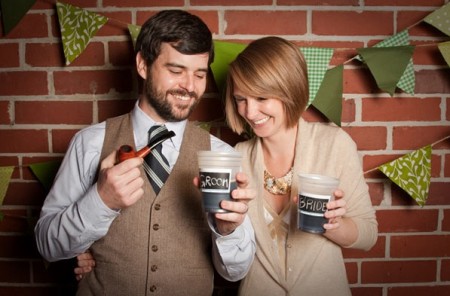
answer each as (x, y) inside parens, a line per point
(154, 248)
(155, 226)
(154, 267)
(153, 288)
(157, 207)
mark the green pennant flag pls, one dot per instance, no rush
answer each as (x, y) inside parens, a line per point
(78, 26)
(329, 96)
(387, 64)
(45, 172)
(317, 61)
(440, 19)
(444, 48)
(134, 33)
(5, 177)
(411, 172)
(13, 11)
(225, 53)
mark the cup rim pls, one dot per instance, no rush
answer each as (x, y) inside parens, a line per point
(319, 177)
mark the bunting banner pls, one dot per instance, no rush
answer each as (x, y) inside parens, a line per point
(134, 33)
(440, 19)
(444, 48)
(13, 11)
(45, 172)
(224, 54)
(411, 172)
(387, 64)
(329, 96)
(78, 26)
(5, 178)
(407, 81)
(317, 61)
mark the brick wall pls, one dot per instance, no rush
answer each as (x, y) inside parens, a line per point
(43, 103)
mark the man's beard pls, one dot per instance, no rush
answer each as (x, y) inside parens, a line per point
(163, 107)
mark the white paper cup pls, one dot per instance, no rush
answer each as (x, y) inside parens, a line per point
(315, 191)
(217, 171)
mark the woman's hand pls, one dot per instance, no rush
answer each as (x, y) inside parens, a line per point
(85, 263)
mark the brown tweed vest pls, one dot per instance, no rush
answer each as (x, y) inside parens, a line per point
(162, 244)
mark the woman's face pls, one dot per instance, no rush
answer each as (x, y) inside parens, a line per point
(265, 115)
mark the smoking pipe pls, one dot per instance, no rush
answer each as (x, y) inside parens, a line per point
(126, 151)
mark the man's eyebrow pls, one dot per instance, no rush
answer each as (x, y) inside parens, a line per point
(184, 67)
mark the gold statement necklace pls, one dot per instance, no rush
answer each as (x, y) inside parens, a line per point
(278, 186)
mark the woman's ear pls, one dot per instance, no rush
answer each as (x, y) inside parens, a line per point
(141, 66)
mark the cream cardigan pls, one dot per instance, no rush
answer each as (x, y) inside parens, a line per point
(315, 265)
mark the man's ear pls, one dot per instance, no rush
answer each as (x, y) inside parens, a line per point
(141, 66)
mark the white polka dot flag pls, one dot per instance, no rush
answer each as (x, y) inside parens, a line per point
(411, 172)
(444, 48)
(77, 26)
(440, 19)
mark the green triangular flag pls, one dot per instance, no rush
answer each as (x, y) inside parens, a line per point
(317, 61)
(5, 177)
(134, 33)
(78, 26)
(225, 53)
(387, 64)
(329, 96)
(412, 173)
(440, 19)
(444, 48)
(13, 11)
(45, 172)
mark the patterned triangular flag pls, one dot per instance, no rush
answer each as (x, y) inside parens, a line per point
(13, 11)
(387, 64)
(411, 172)
(225, 53)
(444, 48)
(317, 61)
(45, 172)
(5, 177)
(329, 96)
(440, 19)
(78, 26)
(134, 33)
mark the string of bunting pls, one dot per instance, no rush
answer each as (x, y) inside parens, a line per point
(389, 61)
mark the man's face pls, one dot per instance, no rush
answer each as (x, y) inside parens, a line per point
(174, 84)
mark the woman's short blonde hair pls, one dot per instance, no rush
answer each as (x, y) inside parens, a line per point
(270, 67)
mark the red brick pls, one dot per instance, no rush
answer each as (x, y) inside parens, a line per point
(61, 140)
(376, 191)
(319, 3)
(445, 270)
(446, 220)
(5, 117)
(10, 55)
(232, 2)
(401, 109)
(352, 272)
(255, 22)
(407, 220)
(209, 109)
(352, 23)
(376, 141)
(14, 221)
(427, 54)
(142, 3)
(348, 111)
(398, 271)
(30, 82)
(433, 81)
(121, 53)
(413, 21)
(420, 246)
(32, 290)
(23, 141)
(377, 251)
(18, 246)
(112, 108)
(438, 194)
(403, 2)
(447, 114)
(416, 137)
(77, 3)
(30, 26)
(372, 162)
(117, 24)
(433, 289)
(359, 81)
(435, 166)
(14, 272)
(369, 291)
(92, 82)
(24, 194)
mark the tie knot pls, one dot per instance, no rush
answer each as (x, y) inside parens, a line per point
(156, 130)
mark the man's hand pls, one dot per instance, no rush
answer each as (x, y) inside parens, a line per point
(120, 186)
(85, 263)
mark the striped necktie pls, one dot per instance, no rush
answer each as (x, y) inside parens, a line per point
(156, 165)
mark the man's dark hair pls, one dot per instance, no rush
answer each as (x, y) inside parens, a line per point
(185, 32)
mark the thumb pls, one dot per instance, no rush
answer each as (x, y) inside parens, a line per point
(109, 161)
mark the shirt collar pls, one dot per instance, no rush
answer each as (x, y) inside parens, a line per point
(142, 123)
